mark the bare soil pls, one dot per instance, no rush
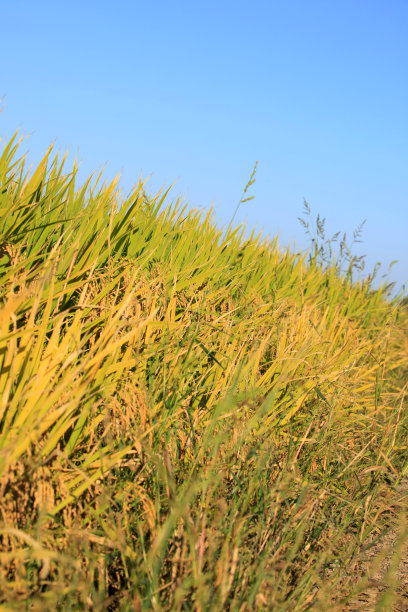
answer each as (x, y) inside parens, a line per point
(384, 566)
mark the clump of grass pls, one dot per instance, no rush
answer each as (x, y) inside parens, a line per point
(345, 260)
(189, 419)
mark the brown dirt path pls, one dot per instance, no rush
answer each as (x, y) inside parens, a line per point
(384, 587)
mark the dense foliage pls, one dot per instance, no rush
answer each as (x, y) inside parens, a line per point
(189, 418)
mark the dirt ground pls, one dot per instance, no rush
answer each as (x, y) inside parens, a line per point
(385, 566)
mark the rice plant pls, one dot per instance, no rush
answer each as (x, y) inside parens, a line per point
(189, 418)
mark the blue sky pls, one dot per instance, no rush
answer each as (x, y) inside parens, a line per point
(195, 93)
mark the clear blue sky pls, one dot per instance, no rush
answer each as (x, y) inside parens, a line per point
(196, 92)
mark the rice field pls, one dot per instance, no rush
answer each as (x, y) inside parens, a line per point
(190, 418)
